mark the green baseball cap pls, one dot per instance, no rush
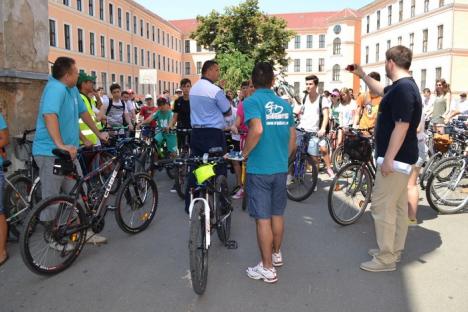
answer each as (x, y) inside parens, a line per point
(83, 77)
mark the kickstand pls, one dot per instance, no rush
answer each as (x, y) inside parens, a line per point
(231, 244)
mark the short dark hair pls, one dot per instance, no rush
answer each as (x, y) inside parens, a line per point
(125, 92)
(161, 101)
(400, 55)
(62, 66)
(114, 86)
(313, 78)
(207, 65)
(426, 90)
(165, 91)
(463, 94)
(245, 83)
(375, 75)
(326, 93)
(184, 81)
(262, 75)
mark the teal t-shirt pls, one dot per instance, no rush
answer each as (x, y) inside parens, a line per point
(270, 155)
(68, 105)
(163, 118)
(3, 126)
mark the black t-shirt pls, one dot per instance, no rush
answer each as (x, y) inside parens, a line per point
(401, 103)
(182, 108)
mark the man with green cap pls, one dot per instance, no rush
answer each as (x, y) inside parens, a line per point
(85, 85)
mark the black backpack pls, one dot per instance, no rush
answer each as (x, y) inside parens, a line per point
(327, 129)
(110, 105)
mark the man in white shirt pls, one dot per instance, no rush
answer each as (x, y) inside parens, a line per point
(312, 120)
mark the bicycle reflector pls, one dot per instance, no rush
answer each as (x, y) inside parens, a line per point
(204, 172)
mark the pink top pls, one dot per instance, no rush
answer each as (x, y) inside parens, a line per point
(240, 113)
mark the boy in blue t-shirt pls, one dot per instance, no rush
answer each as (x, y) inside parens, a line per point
(270, 140)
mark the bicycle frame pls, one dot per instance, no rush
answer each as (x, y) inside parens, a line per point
(206, 208)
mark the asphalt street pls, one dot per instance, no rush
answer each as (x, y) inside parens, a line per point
(149, 271)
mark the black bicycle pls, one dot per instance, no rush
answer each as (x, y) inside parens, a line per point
(182, 170)
(54, 232)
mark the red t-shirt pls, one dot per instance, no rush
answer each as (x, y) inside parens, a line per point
(147, 111)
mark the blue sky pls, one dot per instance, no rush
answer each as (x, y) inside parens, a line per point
(182, 9)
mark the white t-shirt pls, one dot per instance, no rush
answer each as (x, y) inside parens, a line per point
(115, 116)
(462, 107)
(347, 113)
(230, 120)
(310, 116)
(130, 105)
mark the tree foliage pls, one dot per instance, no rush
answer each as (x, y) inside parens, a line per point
(235, 67)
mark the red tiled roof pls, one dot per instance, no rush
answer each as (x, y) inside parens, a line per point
(306, 20)
(344, 14)
(186, 26)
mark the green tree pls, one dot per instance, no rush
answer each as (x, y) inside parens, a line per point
(235, 67)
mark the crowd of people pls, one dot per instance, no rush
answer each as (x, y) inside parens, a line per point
(73, 112)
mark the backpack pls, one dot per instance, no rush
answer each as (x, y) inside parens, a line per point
(327, 128)
(110, 105)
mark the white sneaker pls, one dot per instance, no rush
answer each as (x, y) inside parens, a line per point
(260, 272)
(239, 194)
(56, 246)
(277, 259)
(95, 239)
(289, 180)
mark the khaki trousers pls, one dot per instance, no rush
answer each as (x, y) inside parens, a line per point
(390, 212)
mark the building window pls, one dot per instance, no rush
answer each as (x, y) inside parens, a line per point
(66, 2)
(199, 67)
(119, 17)
(400, 10)
(337, 46)
(142, 54)
(104, 81)
(79, 6)
(367, 55)
(147, 31)
(423, 78)
(154, 60)
(441, 3)
(103, 46)
(438, 71)
(321, 66)
(297, 65)
(426, 6)
(187, 46)
(80, 41)
(141, 27)
(309, 65)
(389, 15)
(67, 37)
(198, 47)
(52, 34)
(297, 42)
(322, 41)
(187, 68)
(135, 55)
(112, 52)
(127, 21)
(137, 85)
(368, 24)
(399, 40)
(91, 7)
(93, 73)
(92, 49)
(389, 44)
(336, 72)
(134, 24)
(159, 35)
(101, 10)
(411, 41)
(377, 52)
(120, 51)
(425, 38)
(164, 38)
(159, 62)
(167, 40)
(378, 20)
(129, 82)
(413, 8)
(111, 13)
(440, 37)
(297, 87)
(153, 35)
(129, 54)
(309, 42)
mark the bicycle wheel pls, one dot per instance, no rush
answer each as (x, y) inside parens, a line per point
(349, 193)
(223, 209)
(198, 253)
(99, 160)
(49, 247)
(446, 187)
(302, 178)
(180, 180)
(16, 200)
(339, 158)
(171, 172)
(428, 168)
(136, 203)
(145, 161)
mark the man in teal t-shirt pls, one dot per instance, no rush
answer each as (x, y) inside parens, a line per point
(270, 140)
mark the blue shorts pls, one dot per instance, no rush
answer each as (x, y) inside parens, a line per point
(266, 195)
(2, 189)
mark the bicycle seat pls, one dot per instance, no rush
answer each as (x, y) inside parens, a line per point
(62, 154)
(6, 163)
(216, 151)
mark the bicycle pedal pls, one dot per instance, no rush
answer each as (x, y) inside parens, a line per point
(231, 244)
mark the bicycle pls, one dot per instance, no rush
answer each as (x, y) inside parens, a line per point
(182, 170)
(55, 231)
(302, 170)
(210, 208)
(354, 181)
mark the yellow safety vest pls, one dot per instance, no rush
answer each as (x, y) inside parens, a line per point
(85, 130)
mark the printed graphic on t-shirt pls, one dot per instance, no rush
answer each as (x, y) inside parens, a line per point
(275, 116)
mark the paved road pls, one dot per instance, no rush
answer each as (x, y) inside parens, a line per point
(149, 271)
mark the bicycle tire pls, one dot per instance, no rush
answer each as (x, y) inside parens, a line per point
(131, 193)
(100, 159)
(198, 254)
(338, 158)
(223, 207)
(428, 168)
(180, 180)
(53, 239)
(437, 202)
(297, 181)
(16, 201)
(363, 188)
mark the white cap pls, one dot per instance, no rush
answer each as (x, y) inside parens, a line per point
(148, 96)
(178, 90)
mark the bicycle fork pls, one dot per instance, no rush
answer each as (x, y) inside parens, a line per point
(206, 208)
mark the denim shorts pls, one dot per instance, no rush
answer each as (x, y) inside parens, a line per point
(2, 190)
(314, 143)
(266, 195)
(422, 153)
